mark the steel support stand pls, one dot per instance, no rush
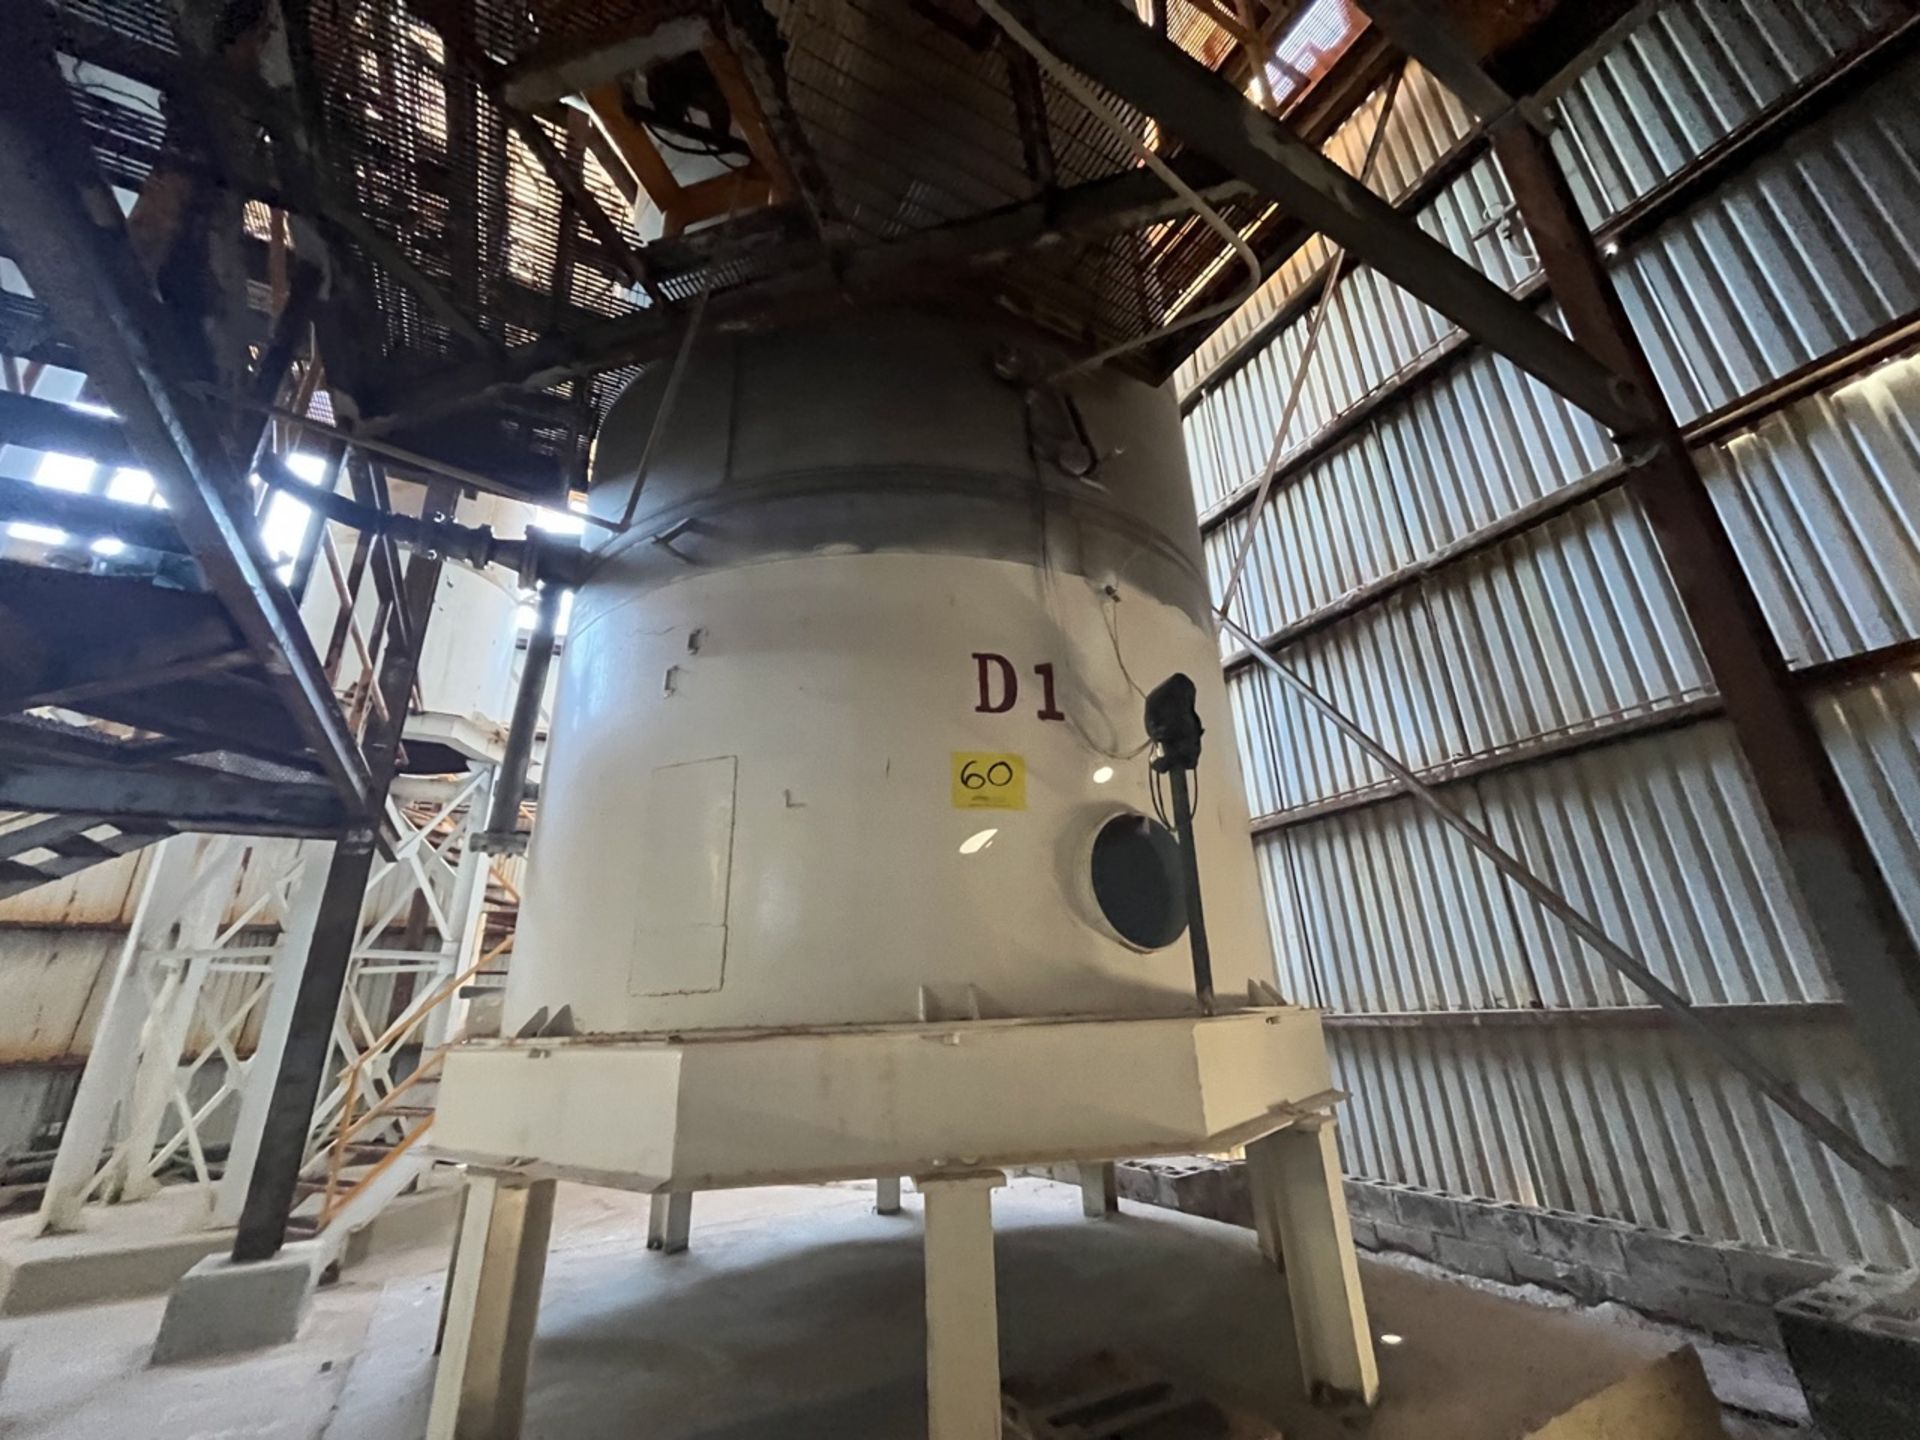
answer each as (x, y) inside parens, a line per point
(1300, 1207)
(886, 1195)
(493, 1301)
(670, 1221)
(115, 1054)
(164, 1038)
(963, 1319)
(1843, 890)
(1099, 1191)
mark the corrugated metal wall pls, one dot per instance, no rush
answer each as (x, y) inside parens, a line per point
(1550, 675)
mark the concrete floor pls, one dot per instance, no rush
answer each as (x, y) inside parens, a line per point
(797, 1315)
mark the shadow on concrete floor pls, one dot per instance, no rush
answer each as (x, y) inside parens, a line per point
(797, 1314)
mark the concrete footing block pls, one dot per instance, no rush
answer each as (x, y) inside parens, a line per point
(220, 1308)
(52, 1273)
(1855, 1347)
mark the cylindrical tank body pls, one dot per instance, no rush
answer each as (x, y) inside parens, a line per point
(849, 727)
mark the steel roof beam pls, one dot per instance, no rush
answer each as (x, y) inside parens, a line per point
(1117, 204)
(71, 243)
(1426, 36)
(1109, 45)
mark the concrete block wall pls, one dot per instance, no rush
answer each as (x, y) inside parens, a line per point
(1725, 1289)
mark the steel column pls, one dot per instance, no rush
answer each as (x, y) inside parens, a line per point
(283, 1141)
(1301, 1209)
(1099, 1189)
(502, 831)
(272, 1183)
(963, 1319)
(670, 1221)
(283, 981)
(1845, 893)
(493, 1300)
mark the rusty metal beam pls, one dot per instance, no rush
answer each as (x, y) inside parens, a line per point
(1424, 33)
(1107, 43)
(72, 245)
(1846, 895)
(92, 516)
(182, 796)
(36, 424)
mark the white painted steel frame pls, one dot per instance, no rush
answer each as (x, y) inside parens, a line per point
(192, 986)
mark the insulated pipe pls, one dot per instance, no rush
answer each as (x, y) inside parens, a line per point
(502, 834)
(536, 557)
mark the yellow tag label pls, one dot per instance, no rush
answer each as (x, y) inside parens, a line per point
(985, 781)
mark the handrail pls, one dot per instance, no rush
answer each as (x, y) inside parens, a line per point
(328, 1205)
(352, 1125)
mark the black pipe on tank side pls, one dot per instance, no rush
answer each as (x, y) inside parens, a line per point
(503, 834)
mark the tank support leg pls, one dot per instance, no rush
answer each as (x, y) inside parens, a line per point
(1301, 1210)
(963, 1321)
(493, 1297)
(886, 1195)
(1099, 1191)
(670, 1221)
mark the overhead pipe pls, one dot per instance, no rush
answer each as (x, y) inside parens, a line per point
(537, 557)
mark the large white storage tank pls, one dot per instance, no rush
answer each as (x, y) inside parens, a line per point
(844, 718)
(846, 863)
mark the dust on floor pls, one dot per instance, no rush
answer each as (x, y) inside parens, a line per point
(797, 1313)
